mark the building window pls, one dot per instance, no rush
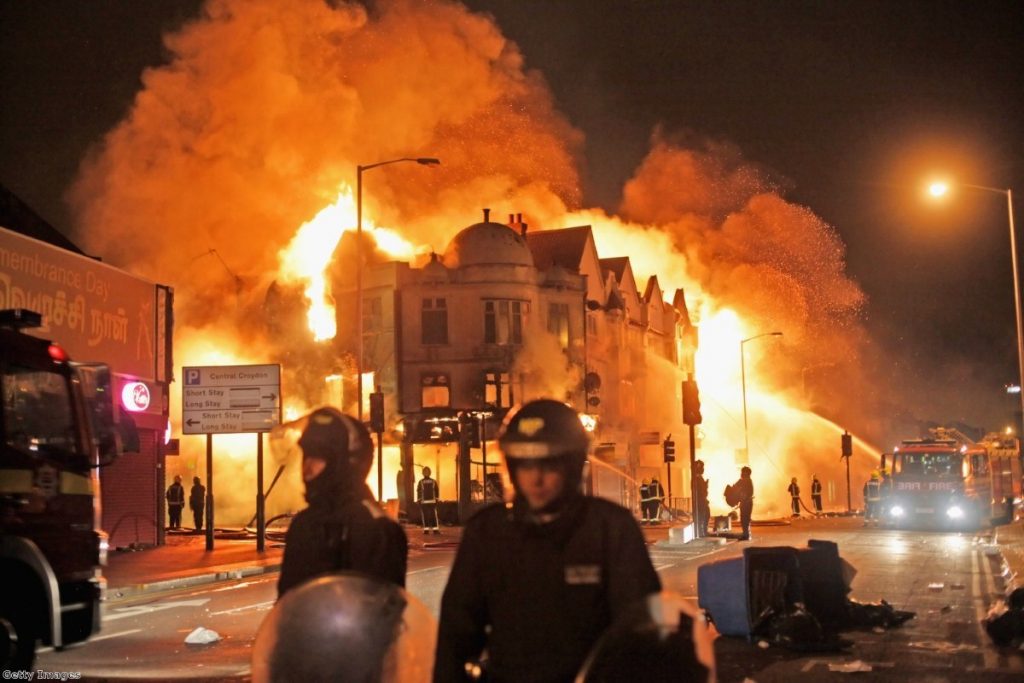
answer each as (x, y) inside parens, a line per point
(434, 321)
(373, 316)
(435, 390)
(558, 324)
(499, 389)
(503, 321)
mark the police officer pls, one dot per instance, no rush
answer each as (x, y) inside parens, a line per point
(816, 493)
(872, 498)
(536, 582)
(175, 502)
(426, 496)
(794, 494)
(343, 528)
(645, 501)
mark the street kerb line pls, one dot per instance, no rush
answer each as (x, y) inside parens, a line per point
(234, 610)
(105, 636)
(980, 574)
(425, 569)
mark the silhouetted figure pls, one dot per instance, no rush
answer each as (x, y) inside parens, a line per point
(197, 502)
(657, 494)
(816, 493)
(744, 491)
(794, 496)
(702, 510)
(175, 502)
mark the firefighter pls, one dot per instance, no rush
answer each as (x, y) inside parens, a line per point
(343, 528)
(816, 493)
(536, 582)
(645, 501)
(657, 495)
(743, 489)
(702, 511)
(426, 496)
(872, 498)
(197, 502)
(175, 502)
(794, 496)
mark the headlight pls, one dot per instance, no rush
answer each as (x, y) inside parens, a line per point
(896, 511)
(103, 547)
(955, 512)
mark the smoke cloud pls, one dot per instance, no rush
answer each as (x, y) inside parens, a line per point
(264, 108)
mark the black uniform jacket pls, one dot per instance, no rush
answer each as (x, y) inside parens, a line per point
(547, 591)
(350, 533)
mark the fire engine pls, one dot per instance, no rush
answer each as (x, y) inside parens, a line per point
(57, 425)
(950, 481)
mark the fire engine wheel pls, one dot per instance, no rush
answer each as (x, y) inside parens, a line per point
(17, 641)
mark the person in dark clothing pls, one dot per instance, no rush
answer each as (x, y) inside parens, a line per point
(343, 528)
(794, 496)
(656, 492)
(645, 501)
(816, 493)
(744, 490)
(702, 510)
(175, 502)
(537, 581)
(197, 502)
(426, 496)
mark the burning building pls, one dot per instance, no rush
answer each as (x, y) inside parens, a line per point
(506, 314)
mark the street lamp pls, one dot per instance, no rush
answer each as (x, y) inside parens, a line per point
(425, 161)
(743, 378)
(939, 189)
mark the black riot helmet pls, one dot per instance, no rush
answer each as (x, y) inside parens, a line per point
(340, 441)
(545, 429)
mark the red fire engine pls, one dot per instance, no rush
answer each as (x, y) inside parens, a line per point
(948, 481)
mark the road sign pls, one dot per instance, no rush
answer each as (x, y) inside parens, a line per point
(231, 399)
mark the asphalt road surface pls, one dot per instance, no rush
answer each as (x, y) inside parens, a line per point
(948, 579)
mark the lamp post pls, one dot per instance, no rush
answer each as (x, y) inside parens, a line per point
(939, 189)
(743, 378)
(425, 161)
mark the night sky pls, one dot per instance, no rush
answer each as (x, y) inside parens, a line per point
(849, 106)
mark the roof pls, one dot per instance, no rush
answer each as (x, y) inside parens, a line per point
(558, 247)
(17, 216)
(616, 264)
(487, 244)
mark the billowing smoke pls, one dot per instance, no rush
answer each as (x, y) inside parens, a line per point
(264, 108)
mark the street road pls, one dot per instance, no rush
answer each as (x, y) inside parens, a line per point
(144, 638)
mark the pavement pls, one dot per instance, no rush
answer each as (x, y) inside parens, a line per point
(184, 562)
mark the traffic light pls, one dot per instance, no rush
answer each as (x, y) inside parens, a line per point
(847, 444)
(377, 412)
(691, 403)
(670, 449)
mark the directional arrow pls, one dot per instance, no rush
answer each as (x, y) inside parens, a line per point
(191, 422)
(122, 612)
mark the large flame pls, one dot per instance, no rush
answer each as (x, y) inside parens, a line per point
(266, 107)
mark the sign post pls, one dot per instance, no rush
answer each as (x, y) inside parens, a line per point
(231, 399)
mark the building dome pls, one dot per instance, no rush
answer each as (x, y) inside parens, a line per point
(488, 244)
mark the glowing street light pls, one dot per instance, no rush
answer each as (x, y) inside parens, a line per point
(939, 189)
(425, 161)
(743, 379)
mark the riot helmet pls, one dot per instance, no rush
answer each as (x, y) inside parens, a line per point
(344, 445)
(545, 430)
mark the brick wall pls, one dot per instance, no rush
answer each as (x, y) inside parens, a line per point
(129, 490)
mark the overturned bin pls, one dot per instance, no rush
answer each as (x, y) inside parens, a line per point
(740, 593)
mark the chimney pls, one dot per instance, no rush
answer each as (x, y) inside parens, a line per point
(511, 220)
(487, 215)
(522, 228)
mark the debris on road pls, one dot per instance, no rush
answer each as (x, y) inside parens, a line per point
(936, 586)
(854, 667)
(1004, 622)
(202, 636)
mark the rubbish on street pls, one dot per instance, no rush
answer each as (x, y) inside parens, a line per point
(1004, 622)
(936, 586)
(202, 636)
(869, 615)
(957, 586)
(856, 666)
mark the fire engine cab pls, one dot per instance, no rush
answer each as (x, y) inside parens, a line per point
(949, 481)
(57, 425)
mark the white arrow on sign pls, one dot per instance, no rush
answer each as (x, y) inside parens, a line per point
(123, 612)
